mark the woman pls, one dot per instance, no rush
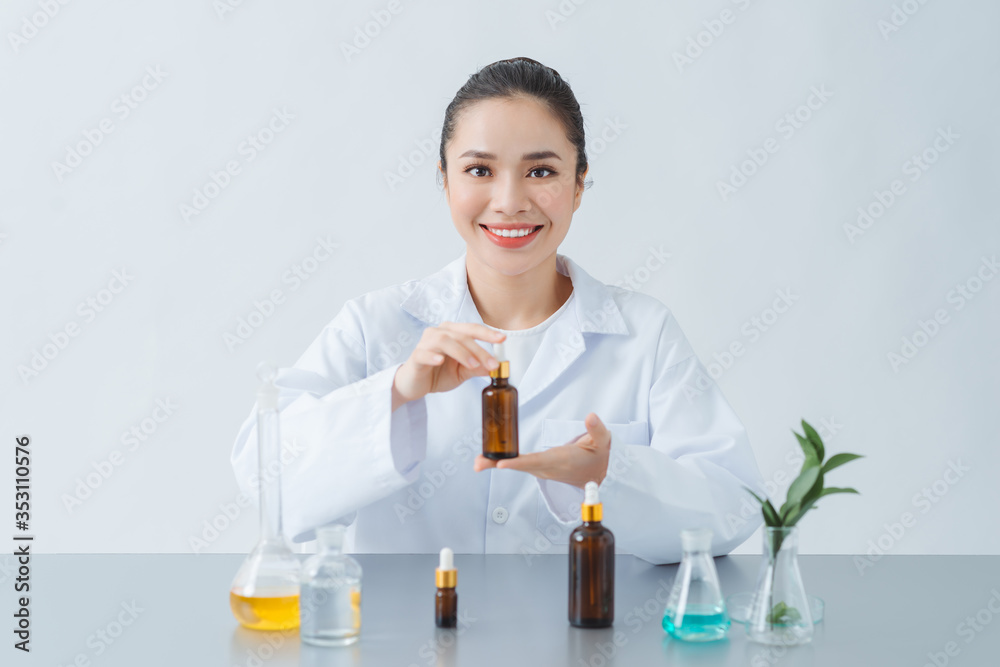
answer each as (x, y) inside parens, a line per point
(384, 407)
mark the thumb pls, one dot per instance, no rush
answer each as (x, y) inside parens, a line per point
(596, 428)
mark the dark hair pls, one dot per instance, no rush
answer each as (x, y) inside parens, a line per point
(521, 77)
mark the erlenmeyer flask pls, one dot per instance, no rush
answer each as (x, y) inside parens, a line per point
(695, 610)
(265, 592)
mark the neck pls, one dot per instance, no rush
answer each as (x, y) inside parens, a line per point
(517, 302)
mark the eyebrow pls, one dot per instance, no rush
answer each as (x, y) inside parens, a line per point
(527, 157)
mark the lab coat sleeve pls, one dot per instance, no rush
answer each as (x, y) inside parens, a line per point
(694, 470)
(692, 473)
(342, 445)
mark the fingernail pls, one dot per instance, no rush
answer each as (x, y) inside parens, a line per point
(473, 362)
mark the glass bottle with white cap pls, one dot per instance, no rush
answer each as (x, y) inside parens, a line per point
(696, 611)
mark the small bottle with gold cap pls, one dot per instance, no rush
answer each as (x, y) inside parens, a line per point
(446, 599)
(591, 567)
(500, 411)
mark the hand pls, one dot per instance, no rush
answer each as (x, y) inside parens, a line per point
(577, 462)
(446, 356)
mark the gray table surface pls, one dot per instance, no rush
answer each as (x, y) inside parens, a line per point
(904, 610)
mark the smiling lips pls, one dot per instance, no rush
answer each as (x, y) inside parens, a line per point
(511, 236)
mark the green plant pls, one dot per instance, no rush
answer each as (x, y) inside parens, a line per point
(808, 487)
(802, 495)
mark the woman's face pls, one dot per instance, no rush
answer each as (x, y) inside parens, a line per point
(511, 170)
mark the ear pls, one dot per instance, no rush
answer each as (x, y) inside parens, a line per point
(579, 190)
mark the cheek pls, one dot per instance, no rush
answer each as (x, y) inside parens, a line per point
(556, 200)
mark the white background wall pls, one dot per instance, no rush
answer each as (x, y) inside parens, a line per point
(355, 120)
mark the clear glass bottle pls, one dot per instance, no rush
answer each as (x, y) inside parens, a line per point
(696, 611)
(780, 612)
(331, 592)
(264, 594)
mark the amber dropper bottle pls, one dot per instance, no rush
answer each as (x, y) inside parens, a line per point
(446, 599)
(591, 567)
(500, 411)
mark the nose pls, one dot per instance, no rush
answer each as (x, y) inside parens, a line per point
(510, 196)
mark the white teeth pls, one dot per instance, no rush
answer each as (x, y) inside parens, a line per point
(507, 233)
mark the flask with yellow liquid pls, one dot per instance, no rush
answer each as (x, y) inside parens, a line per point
(265, 592)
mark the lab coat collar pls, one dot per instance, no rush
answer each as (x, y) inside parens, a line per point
(444, 296)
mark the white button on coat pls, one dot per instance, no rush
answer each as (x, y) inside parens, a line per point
(500, 515)
(404, 482)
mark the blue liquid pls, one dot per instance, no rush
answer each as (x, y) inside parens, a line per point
(699, 624)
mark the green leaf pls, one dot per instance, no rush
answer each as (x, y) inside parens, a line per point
(771, 517)
(782, 614)
(838, 460)
(814, 439)
(794, 518)
(803, 483)
(834, 489)
(808, 449)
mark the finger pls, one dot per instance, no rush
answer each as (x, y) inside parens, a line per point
(427, 357)
(444, 343)
(534, 462)
(596, 428)
(474, 350)
(482, 463)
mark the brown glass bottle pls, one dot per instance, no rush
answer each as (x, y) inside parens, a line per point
(500, 416)
(446, 599)
(591, 570)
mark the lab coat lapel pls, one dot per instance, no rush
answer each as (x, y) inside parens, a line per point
(594, 311)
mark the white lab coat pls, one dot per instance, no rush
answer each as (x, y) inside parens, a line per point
(404, 481)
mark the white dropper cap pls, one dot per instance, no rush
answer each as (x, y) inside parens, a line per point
(267, 394)
(590, 494)
(696, 539)
(499, 351)
(447, 561)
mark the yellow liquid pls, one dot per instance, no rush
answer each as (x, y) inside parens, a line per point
(275, 613)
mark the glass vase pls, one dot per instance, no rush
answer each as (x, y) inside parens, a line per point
(780, 611)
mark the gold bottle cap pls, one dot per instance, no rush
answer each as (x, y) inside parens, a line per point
(446, 576)
(591, 509)
(502, 371)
